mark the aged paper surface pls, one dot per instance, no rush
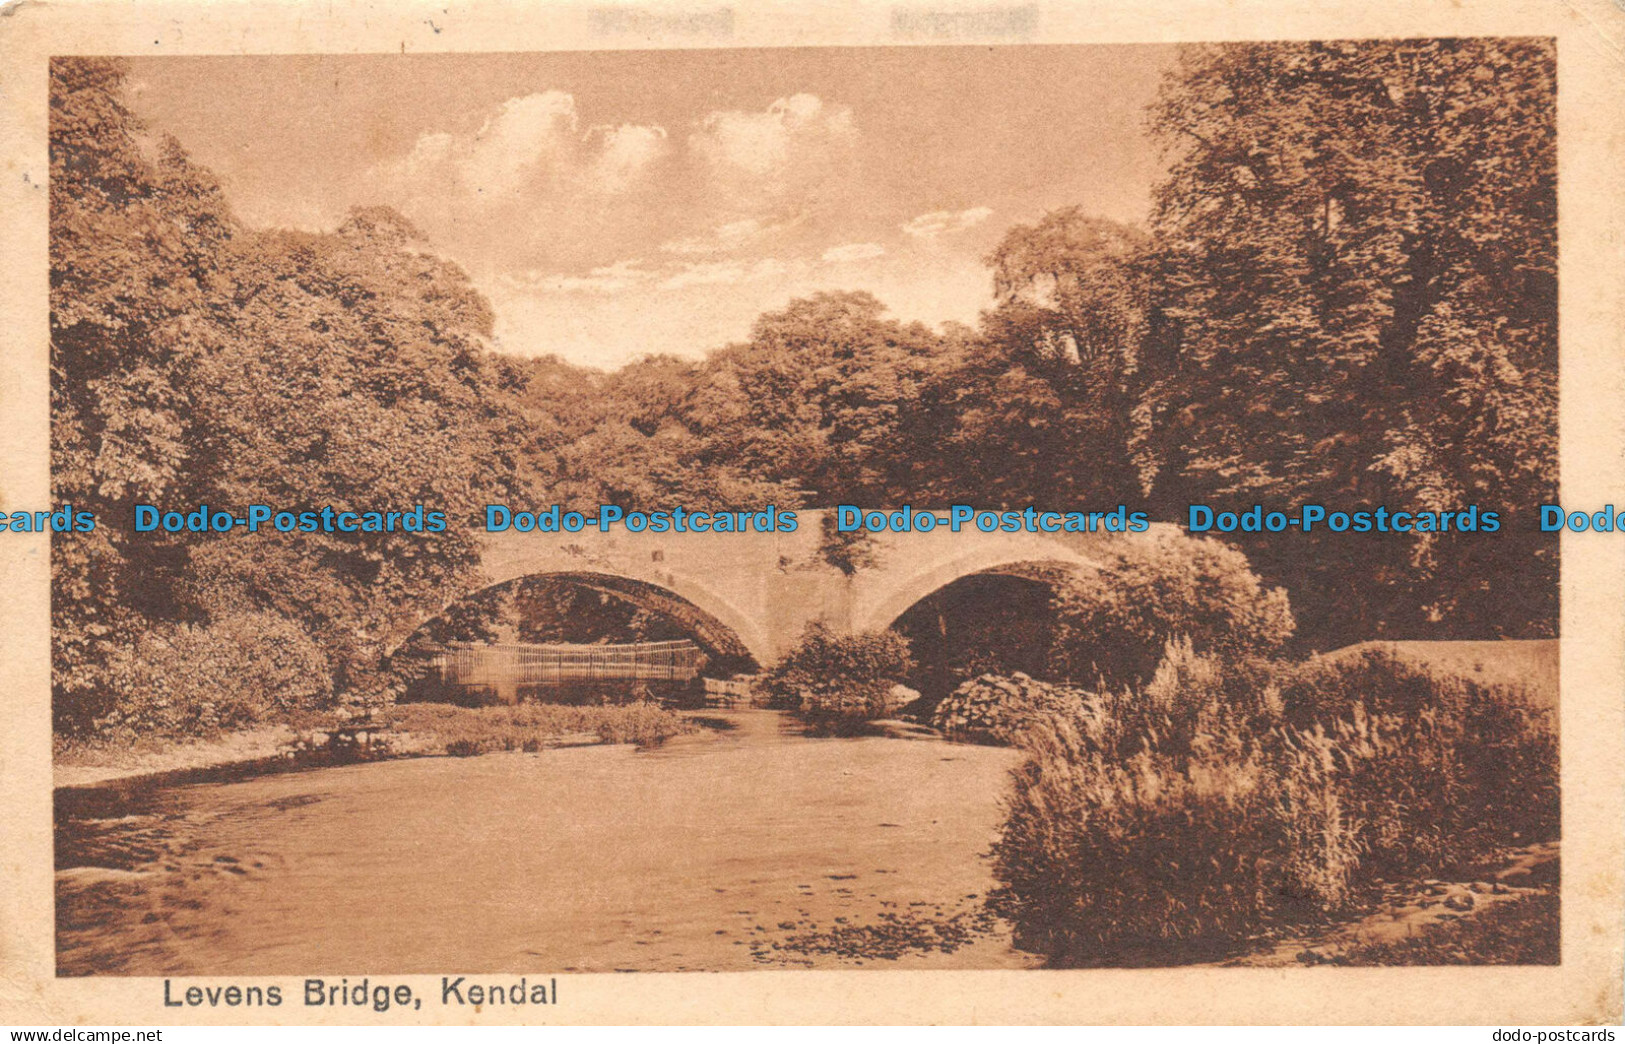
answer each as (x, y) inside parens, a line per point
(617, 180)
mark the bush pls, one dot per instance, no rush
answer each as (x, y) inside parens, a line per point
(240, 669)
(1449, 765)
(1226, 798)
(992, 709)
(1112, 622)
(841, 678)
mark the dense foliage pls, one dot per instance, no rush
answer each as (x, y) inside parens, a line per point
(1112, 623)
(237, 670)
(1228, 797)
(1346, 294)
(835, 678)
(197, 361)
(1354, 302)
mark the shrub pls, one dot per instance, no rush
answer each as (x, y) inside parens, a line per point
(993, 709)
(1228, 797)
(240, 669)
(1152, 856)
(1450, 765)
(642, 723)
(1112, 622)
(838, 678)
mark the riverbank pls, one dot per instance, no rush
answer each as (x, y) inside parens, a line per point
(91, 763)
(1506, 912)
(412, 730)
(743, 842)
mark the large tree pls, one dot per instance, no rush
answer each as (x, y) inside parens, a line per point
(1041, 406)
(355, 376)
(136, 237)
(814, 401)
(198, 361)
(1356, 304)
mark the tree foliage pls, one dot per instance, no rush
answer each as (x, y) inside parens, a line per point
(1113, 623)
(1355, 299)
(135, 233)
(834, 677)
(197, 361)
(816, 398)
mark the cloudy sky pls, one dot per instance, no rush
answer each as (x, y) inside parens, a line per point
(613, 204)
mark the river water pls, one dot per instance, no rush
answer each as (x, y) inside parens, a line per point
(748, 845)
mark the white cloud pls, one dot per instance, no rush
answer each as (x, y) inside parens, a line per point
(538, 183)
(724, 273)
(537, 129)
(606, 279)
(690, 305)
(706, 273)
(676, 274)
(945, 222)
(632, 275)
(755, 156)
(526, 139)
(853, 252)
(625, 153)
(763, 142)
(723, 238)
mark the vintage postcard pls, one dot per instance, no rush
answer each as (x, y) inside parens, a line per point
(706, 513)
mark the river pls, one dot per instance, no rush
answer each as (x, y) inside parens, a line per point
(747, 845)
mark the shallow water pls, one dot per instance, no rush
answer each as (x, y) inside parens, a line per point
(748, 845)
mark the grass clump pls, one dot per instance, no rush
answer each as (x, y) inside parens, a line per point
(466, 731)
(1227, 798)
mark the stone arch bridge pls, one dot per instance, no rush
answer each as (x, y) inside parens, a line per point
(753, 594)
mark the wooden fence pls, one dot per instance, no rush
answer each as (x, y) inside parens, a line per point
(505, 667)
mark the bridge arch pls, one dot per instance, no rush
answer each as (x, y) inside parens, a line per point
(714, 621)
(899, 591)
(718, 624)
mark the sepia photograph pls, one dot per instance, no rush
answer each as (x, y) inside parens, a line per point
(1303, 273)
(521, 515)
